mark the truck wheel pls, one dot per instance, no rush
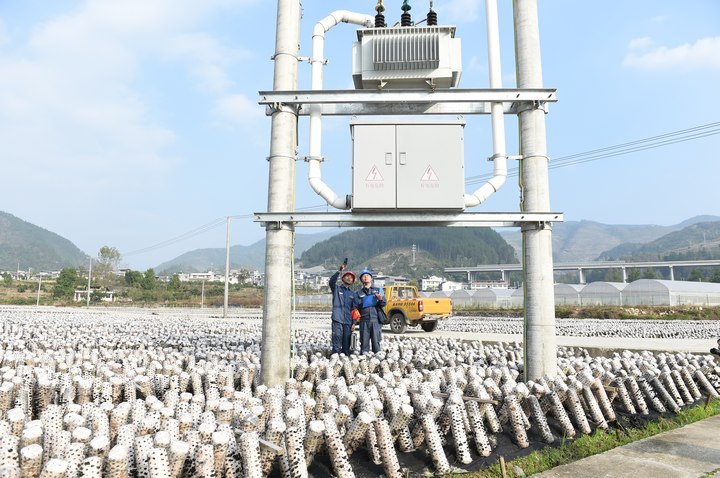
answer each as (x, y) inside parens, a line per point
(429, 326)
(397, 323)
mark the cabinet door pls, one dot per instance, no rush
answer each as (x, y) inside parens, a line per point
(430, 166)
(374, 162)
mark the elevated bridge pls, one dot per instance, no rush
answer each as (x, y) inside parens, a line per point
(581, 267)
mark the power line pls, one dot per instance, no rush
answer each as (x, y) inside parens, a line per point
(652, 142)
(202, 229)
(187, 235)
(643, 144)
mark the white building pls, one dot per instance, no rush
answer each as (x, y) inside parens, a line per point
(80, 295)
(450, 286)
(431, 283)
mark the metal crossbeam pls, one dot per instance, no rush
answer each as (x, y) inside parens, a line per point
(417, 219)
(409, 102)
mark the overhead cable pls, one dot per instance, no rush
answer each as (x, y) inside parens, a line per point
(658, 141)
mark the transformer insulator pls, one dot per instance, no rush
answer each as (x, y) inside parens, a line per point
(432, 18)
(380, 21)
(405, 20)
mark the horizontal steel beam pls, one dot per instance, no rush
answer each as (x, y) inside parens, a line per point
(400, 102)
(410, 218)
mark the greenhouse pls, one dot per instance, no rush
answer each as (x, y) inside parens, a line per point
(602, 293)
(460, 298)
(640, 292)
(671, 292)
(568, 294)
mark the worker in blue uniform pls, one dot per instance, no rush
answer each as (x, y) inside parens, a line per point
(342, 305)
(367, 300)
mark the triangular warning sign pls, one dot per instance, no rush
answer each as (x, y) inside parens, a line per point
(429, 175)
(374, 175)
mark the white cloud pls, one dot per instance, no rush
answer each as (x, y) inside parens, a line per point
(208, 59)
(238, 109)
(701, 55)
(71, 106)
(640, 44)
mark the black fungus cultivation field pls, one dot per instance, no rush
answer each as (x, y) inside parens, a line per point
(131, 393)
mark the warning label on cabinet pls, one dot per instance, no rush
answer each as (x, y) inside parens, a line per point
(374, 175)
(429, 175)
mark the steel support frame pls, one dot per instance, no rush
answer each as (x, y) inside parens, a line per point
(394, 102)
(407, 219)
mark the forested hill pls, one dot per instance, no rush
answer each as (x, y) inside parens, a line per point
(700, 241)
(24, 245)
(390, 249)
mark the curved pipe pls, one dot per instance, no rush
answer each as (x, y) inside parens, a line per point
(316, 63)
(499, 157)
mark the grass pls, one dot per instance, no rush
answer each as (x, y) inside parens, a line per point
(600, 441)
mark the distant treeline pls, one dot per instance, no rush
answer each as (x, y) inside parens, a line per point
(452, 246)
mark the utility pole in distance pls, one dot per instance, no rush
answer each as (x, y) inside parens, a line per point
(227, 268)
(88, 287)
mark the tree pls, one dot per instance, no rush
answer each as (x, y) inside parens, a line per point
(696, 276)
(133, 278)
(148, 281)
(7, 279)
(716, 276)
(108, 259)
(633, 275)
(650, 273)
(613, 275)
(174, 283)
(65, 283)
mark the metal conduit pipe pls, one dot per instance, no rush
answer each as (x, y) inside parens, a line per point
(316, 83)
(497, 115)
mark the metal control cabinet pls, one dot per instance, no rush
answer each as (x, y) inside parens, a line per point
(408, 165)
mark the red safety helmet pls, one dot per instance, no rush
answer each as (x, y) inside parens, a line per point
(349, 273)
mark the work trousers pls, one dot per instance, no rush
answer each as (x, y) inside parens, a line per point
(370, 334)
(340, 338)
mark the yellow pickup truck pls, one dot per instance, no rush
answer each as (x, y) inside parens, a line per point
(406, 308)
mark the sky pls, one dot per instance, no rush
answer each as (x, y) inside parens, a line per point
(135, 124)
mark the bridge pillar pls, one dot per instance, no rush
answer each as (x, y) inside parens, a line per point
(581, 275)
(624, 273)
(672, 272)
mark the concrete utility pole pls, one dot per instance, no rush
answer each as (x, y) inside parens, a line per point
(88, 287)
(539, 332)
(39, 288)
(227, 268)
(277, 310)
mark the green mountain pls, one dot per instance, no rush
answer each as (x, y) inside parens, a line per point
(390, 250)
(698, 241)
(24, 245)
(248, 257)
(582, 241)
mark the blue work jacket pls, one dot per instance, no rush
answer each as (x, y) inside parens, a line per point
(342, 300)
(365, 301)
